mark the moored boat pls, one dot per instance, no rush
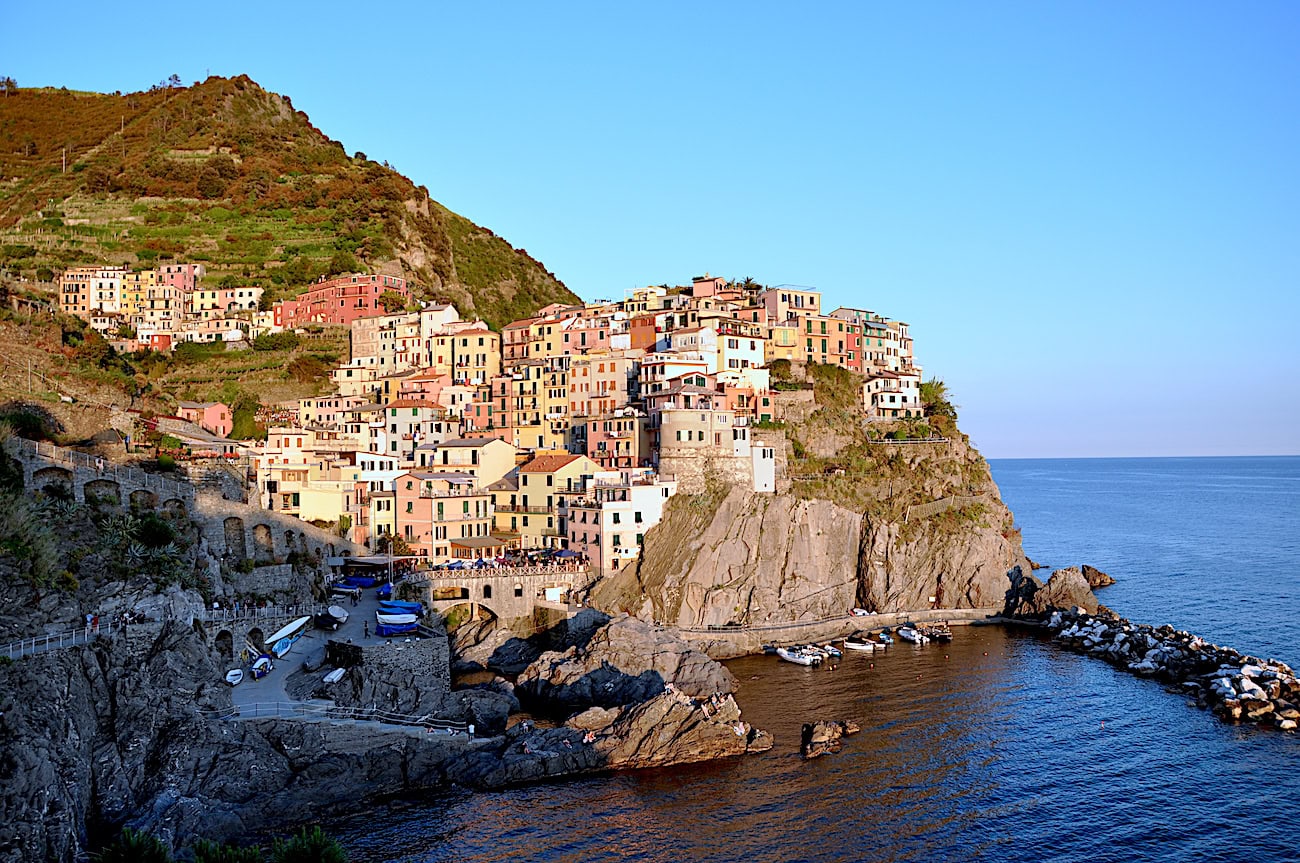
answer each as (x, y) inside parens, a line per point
(832, 650)
(884, 637)
(335, 676)
(396, 619)
(261, 667)
(798, 656)
(907, 633)
(857, 642)
(235, 676)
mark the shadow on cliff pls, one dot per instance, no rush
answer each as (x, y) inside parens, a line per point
(604, 687)
(513, 653)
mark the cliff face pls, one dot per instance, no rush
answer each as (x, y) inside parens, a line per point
(928, 522)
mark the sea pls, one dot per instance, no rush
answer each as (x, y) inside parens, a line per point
(996, 747)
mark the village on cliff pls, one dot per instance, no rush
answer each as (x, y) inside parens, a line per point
(565, 432)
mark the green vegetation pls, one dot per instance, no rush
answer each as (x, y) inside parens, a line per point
(309, 845)
(228, 174)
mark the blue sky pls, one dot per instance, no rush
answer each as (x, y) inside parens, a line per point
(1088, 212)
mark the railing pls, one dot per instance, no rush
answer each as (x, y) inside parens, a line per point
(121, 475)
(494, 572)
(532, 510)
(434, 493)
(309, 712)
(222, 615)
(28, 646)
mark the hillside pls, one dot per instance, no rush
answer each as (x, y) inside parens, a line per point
(230, 175)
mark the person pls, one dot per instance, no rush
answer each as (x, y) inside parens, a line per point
(89, 618)
(366, 629)
(95, 623)
(99, 464)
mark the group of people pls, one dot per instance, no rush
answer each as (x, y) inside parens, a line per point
(120, 621)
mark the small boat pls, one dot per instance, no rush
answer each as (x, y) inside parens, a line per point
(857, 642)
(339, 613)
(395, 606)
(344, 590)
(361, 580)
(384, 591)
(389, 629)
(261, 667)
(396, 619)
(832, 650)
(861, 612)
(235, 676)
(938, 632)
(884, 637)
(907, 633)
(336, 675)
(798, 656)
(290, 630)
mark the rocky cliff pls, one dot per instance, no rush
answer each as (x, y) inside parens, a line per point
(892, 529)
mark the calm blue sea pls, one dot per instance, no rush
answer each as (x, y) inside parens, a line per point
(997, 747)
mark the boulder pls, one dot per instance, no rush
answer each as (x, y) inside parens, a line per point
(1066, 590)
(626, 661)
(1096, 578)
(819, 738)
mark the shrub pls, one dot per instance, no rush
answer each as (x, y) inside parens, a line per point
(210, 852)
(310, 846)
(133, 846)
(166, 462)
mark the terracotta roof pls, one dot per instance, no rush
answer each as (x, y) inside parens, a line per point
(548, 463)
(413, 403)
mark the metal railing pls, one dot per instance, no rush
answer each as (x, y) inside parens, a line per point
(40, 643)
(494, 572)
(223, 615)
(309, 712)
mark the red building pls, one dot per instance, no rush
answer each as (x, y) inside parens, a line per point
(340, 300)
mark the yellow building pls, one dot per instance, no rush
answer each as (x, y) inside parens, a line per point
(475, 356)
(546, 484)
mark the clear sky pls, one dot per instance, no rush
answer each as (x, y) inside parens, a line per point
(1088, 212)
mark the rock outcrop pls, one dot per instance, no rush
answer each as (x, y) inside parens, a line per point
(739, 558)
(1096, 578)
(627, 661)
(1066, 589)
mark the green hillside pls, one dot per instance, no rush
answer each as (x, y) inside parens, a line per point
(230, 175)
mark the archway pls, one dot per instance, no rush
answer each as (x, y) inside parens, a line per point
(53, 481)
(174, 507)
(143, 499)
(102, 491)
(235, 544)
(225, 643)
(263, 546)
(255, 639)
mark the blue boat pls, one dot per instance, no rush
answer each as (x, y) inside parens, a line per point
(387, 629)
(384, 591)
(395, 606)
(356, 580)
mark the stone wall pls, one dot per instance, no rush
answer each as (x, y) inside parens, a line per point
(411, 677)
(263, 580)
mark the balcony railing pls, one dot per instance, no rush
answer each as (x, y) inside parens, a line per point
(513, 507)
(439, 493)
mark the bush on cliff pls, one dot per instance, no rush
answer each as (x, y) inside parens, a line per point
(310, 846)
(210, 852)
(133, 846)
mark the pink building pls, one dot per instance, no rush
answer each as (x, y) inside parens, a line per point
(182, 277)
(213, 416)
(340, 300)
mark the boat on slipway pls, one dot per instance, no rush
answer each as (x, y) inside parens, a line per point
(282, 640)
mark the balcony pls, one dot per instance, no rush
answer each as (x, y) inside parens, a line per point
(429, 493)
(529, 510)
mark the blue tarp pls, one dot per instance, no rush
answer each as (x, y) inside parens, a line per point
(385, 590)
(395, 628)
(399, 607)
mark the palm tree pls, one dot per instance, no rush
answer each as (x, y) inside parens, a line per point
(935, 399)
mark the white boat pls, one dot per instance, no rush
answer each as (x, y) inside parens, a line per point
(291, 630)
(907, 633)
(854, 642)
(335, 676)
(235, 676)
(396, 619)
(832, 650)
(798, 656)
(339, 613)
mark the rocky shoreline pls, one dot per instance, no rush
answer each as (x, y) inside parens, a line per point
(1234, 686)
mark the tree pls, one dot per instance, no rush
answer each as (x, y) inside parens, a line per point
(206, 851)
(174, 81)
(392, 301)
(935, 399)
(342, 262)
(9, 85)
(133, 846)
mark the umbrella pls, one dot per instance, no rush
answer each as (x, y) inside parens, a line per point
(564, 552)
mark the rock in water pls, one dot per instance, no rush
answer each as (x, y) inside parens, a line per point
(1096, 578)
(819, 738)
(1065, 590)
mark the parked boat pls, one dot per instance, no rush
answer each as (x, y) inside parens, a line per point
(907, 633)
(339, 613)
(884, 637)
(335, 676)
(798, 656)
(388, 629)
(396, 619)
(290, 630)
(857, 642)
(831, 649)
(261, 667)
(395, 606)
(345, 590)
(938, 632)
(235, 676)
(384, 591)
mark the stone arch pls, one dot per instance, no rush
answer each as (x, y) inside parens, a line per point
(519, 589)
(254, 638)
(302, 542)
(263, 544)
(54, 481)
(288, 542)
(453, 616)
(487, 591)
(102, 491)
(316, 550)
(236, 546)
(445, 592)
(142, 498)
(225, 644)
(174, 506)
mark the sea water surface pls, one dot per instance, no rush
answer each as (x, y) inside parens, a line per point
(997, 747)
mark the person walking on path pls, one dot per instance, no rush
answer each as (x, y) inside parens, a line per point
(366, 629)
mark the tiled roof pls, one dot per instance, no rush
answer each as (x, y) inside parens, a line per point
(548, 463)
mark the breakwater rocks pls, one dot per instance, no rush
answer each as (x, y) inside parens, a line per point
(1236, 687)
(819, 738)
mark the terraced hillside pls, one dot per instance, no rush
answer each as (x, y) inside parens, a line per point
(230, 175)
